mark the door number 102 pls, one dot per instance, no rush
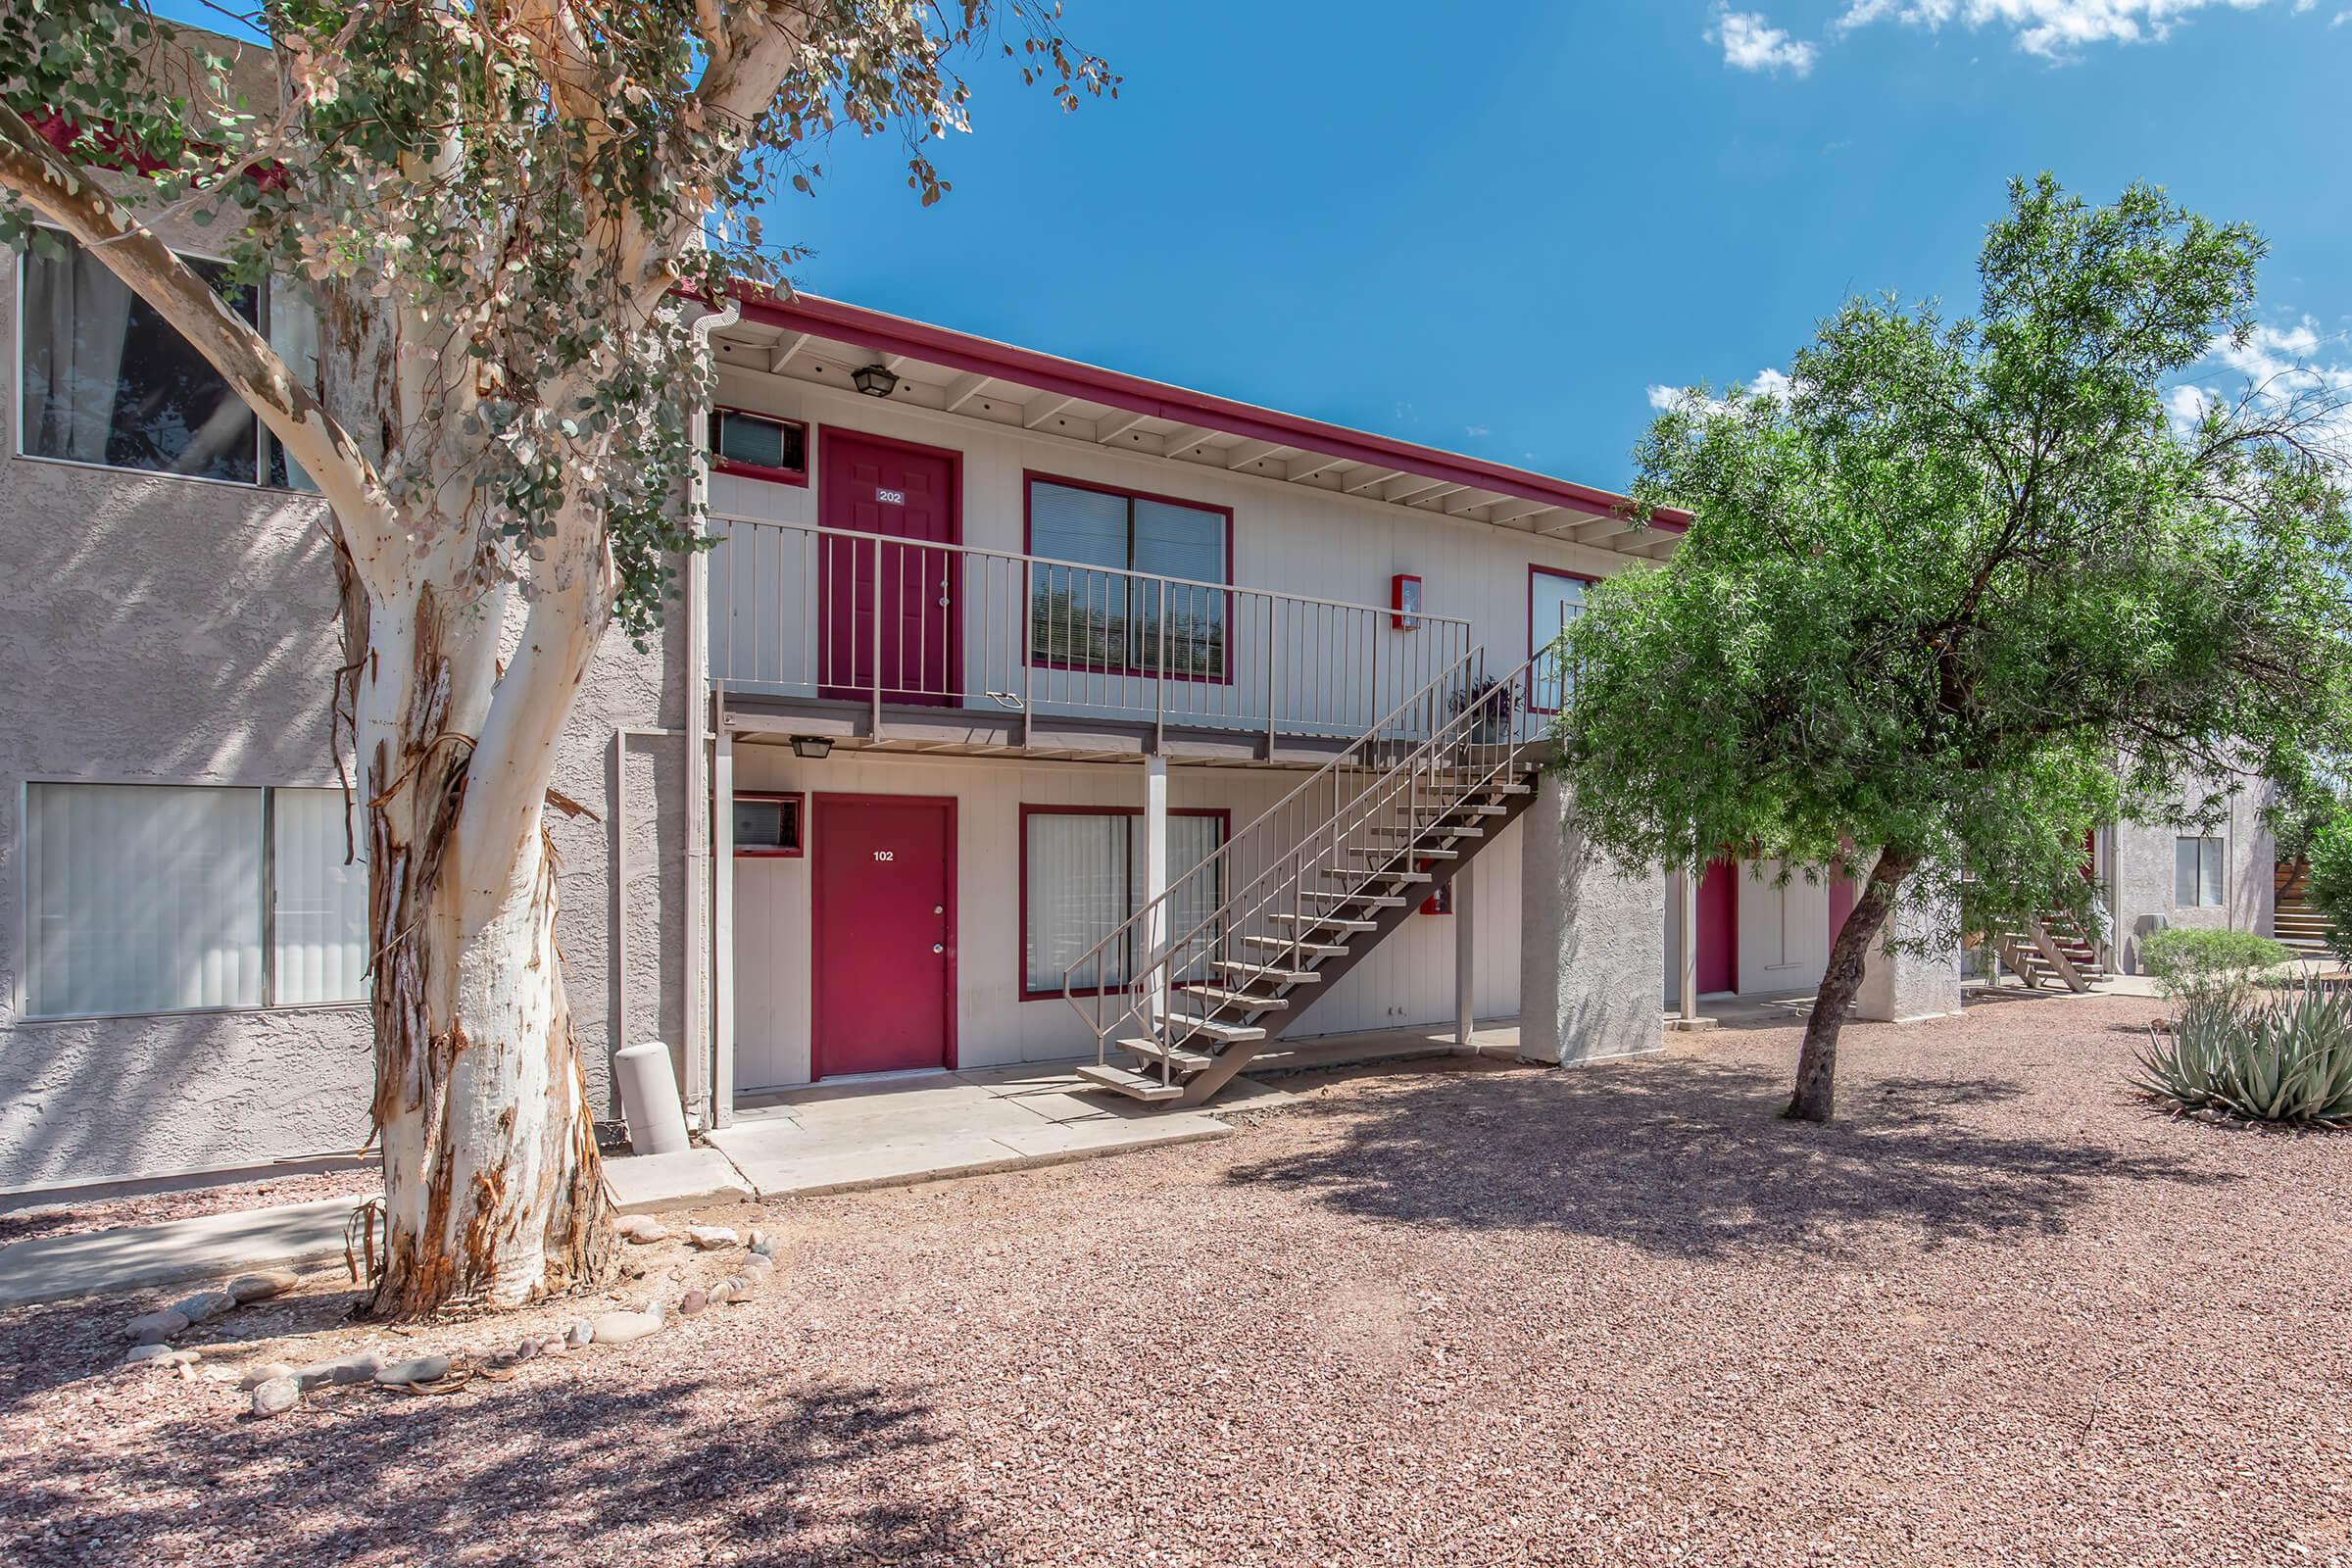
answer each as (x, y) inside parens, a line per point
(886, 854)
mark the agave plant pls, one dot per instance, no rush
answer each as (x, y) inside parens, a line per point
(2287, 1061)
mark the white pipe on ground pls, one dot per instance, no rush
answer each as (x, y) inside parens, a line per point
(649, 1098)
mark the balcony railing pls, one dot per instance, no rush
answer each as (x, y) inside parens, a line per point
(828, 614)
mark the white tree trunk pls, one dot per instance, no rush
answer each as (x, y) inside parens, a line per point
(493, 1192)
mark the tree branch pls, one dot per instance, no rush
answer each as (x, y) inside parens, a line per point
(68, 197)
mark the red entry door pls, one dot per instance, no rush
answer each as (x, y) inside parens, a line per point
(1718, 927)
(884, 926)
(887, 605)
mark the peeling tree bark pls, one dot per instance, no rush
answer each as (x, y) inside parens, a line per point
(1816, 1095)
(493, 1190)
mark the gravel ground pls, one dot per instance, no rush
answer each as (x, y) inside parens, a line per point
(1997, 1314)
(37, 1219)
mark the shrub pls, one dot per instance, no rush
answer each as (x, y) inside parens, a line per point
(2287, 1061)
(2331, 891)
(2209, 967)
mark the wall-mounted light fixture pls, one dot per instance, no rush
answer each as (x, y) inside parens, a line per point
(874, 380)
(812, 748)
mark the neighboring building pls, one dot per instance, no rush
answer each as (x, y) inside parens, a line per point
(995, 646)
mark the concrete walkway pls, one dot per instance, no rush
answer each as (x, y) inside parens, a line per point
(834, 1138)
(886, 1131)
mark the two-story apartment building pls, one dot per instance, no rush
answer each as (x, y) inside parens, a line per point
(1024, 711)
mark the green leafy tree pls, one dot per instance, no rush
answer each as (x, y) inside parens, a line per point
(505, 212)
(2331, 893)
(1969, 588)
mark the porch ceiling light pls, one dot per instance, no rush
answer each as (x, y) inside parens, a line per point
(812, 748)
(874, 380)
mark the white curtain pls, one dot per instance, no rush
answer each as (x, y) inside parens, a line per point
(1553, 602)
(2197, 872)
(320, 904)
(1086, 875)
(1077, 891)
(293, 328)
(142, 897)
(75, 318)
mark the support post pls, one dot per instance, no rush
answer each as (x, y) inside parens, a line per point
(1465, 960)
(722, 925)
(1156, 867)
(1686, 953)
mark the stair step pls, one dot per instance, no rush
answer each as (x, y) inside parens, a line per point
(1268, 974)
(1429, 832)
(1247, 1000)
(1371, 900)
(1419, 852)
(1465, 808)
(1320, 950)
(1177, 1056)
(1134, 1085)
(1196, 1024)
(1404, 876)
(1320, 922)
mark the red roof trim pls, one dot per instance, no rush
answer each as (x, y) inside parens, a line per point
(938, 344)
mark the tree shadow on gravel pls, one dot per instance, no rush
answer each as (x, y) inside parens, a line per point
(1689, 1160)
(559, 1471)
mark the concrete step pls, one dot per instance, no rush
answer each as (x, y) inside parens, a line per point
(1193, 1023)
(1322, 922)
(1428, 832)
(1134, 1085)
(1176, 1056)
(1320, 950)
(1369, 901)
(1419, 852)
(1220, 997)
(1267, 975)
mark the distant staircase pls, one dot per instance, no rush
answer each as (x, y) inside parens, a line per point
(2293, 921)
(1184, 993)
(2052, 951)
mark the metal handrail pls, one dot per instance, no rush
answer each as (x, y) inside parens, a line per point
(965, 624)
(1439, 769)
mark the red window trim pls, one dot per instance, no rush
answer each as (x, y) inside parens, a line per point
(760, 470)
(1223, 814)
(1031, 478)
(1537, 569)
(798, 850)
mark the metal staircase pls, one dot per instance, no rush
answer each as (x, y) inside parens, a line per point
(1183, 994)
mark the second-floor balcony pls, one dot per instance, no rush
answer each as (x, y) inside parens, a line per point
(879, 639)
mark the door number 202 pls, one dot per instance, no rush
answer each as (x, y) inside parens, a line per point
(886, 854)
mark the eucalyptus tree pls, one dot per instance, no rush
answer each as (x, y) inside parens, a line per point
(1971, 587)
(504, 210)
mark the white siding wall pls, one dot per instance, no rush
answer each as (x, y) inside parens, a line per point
(1287, 538)
(1783, 930)
(1411, 982)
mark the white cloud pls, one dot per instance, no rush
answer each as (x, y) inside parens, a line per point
(1476, 430)
(2293, 364)
(1753, 44)
(1774, 384)
(2055, 29)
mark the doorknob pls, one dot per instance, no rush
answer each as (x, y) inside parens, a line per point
(939, 947)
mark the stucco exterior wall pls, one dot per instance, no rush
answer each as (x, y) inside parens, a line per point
(158, 629)
(2141, 892)
(1591, 941)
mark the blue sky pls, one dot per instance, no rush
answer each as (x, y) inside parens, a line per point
(1501, 238)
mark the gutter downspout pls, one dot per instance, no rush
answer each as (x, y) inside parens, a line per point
(703, 1075)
